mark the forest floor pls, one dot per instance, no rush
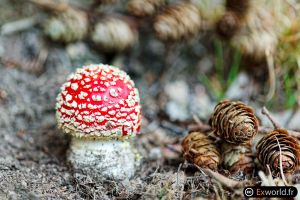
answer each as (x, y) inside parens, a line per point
(33, 151)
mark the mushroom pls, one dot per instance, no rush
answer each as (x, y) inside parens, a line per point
(100, 107)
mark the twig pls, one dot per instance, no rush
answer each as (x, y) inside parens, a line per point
(155, 172)
(292, 5)
(266, 112)
(171, 148)
(266, 130)
(177, 178)
(171, 60)
(280, 162)
(199, 126)
(199, 122)
(227, 182)
(272, 76)
(173, 128)
(294, 111)
(57, 5)
(20, 25)
(266, 180)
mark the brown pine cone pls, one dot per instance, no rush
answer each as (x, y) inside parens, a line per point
(113, 34)
(142, 8)
(69, 26)
(228, 25)
(238, 158)
(268, 151)
(198, 148)
(176, 22)
(234, 122)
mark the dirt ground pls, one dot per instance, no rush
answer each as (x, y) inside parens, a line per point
(33, 151)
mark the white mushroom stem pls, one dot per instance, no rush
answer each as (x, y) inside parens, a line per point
(110, 159)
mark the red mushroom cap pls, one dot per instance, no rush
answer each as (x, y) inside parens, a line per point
(99, 101)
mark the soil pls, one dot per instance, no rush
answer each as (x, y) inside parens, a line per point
(33, 150)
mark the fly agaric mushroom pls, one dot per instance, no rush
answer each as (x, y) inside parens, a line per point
(99, 106)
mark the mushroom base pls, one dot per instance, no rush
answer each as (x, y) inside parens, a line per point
(116, 160)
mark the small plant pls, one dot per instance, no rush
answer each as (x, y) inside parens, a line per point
(221, 80)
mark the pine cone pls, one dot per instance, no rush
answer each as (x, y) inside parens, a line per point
(234, 122)
(268, 151)
(228, 25)
(142, 8)
(257, 35)
(68, 26)
(200, 149)
(180, 21)
(113, 35)
(238, 158)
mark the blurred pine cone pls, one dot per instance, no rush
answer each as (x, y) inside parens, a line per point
(238, 158)
(257, 34)
(211, 11)
(228, 25)
(177, 22)
(268, 151)
(234, 122)
(142, 8)
(198, 148)
(69, 26)
(112, 34)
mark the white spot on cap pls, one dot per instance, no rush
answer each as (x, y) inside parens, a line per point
(113, 92)
(95, 89)
(68, 97)
(113, 83)
(88, 118)
(74, 86)
(112, 112)
(100, 118)
(96, 98)
(130, 102)
(74, 104)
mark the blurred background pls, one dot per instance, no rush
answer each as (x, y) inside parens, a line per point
(184, 56)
